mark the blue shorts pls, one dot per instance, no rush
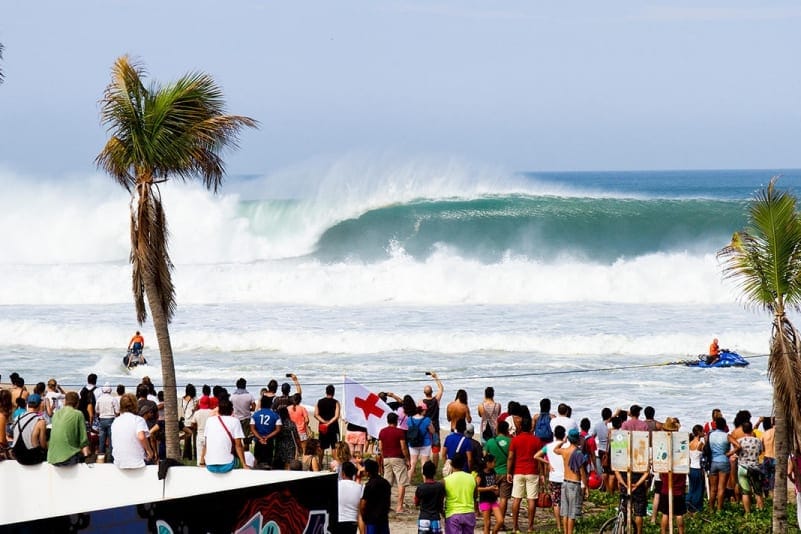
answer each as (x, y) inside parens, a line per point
(429, 526)
(720, 467)
(222, 468)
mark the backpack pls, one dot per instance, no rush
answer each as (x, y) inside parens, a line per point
(543, 427)
(23, 454)
(414, 437)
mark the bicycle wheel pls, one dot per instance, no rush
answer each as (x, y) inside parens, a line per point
(614, 525)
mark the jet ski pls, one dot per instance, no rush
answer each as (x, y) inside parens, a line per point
(133, 359)
(727, 358)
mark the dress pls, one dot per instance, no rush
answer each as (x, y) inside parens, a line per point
(285, 445)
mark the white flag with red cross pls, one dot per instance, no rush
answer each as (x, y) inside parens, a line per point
(364, 408)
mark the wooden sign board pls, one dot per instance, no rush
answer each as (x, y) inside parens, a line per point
(639, 451)
(622, 460)
(671, 453)
(619, 450)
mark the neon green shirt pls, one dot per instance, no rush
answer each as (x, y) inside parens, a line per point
(460, 487)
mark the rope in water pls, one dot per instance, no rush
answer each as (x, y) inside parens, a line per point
(501, 376)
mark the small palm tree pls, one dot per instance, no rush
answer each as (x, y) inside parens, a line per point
(158, 132)
(765, 260)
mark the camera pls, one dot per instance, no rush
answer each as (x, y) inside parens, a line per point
(289, 375)
(428, 373)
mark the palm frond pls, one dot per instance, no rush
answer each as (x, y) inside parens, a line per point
(765, 258)
(2, 76)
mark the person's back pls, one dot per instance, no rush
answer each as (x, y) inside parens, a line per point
(30, 437)
(69, 442)
(460, 487)
(375, 502)
(429, 496)
(349, 494)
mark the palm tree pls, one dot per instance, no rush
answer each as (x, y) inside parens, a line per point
(765, 260)
(157, 132)
(1, 57)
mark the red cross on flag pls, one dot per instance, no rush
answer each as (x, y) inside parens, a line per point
(364, 408)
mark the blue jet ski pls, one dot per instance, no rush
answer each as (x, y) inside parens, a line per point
(726, 359)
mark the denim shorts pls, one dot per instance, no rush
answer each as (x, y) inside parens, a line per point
(719, 467)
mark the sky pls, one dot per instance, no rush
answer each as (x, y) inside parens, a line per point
(526, 85)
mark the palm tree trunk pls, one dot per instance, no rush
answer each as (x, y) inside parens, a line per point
(780, 487)
(160, 324)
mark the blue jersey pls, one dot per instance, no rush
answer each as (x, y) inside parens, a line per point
(265, 421)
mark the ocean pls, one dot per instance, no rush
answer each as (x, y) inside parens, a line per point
(577, 286)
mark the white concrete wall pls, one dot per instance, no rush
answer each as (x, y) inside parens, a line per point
(35, 492)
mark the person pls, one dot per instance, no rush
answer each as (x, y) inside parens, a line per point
(695, 494)
(198, 422)
(264, 427)
(458, 409)
(300, 416)
(375, 501)
(601, 432)
(678, 485)
(69, 442)
(312, 459)
(499, 448)
(287, 443)
(223, 449)
(136, 345)
(749, 470)
(432, 403)
(421, 429)
(523, 472)
(149, 411)
(794, 475)
(326, 412)
(460, 486)
(489, 410)
(456, 442)
(396, 457)
(563, 419)
(574, 485)
(187, 405)
(285, 399)
(244, 405)
(129, 436)
(87, 401)
(487, 482)
(769, 448)
(556, 471)
(18, 389)
(714, 352)
(30, 434)
(637, 493)
(430, 497)
(108, 409)
(349, 495)
(634, 422)
(54, 397)
(721, 445)
(652, 423)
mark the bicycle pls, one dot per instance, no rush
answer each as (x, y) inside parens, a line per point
(617, 524)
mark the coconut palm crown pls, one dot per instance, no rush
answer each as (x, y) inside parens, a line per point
(157, 132)
(765, 261)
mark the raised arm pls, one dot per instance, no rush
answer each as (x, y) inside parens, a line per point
(440, 387)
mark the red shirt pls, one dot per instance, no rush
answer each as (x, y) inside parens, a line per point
(524, 446)
(390, 438)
